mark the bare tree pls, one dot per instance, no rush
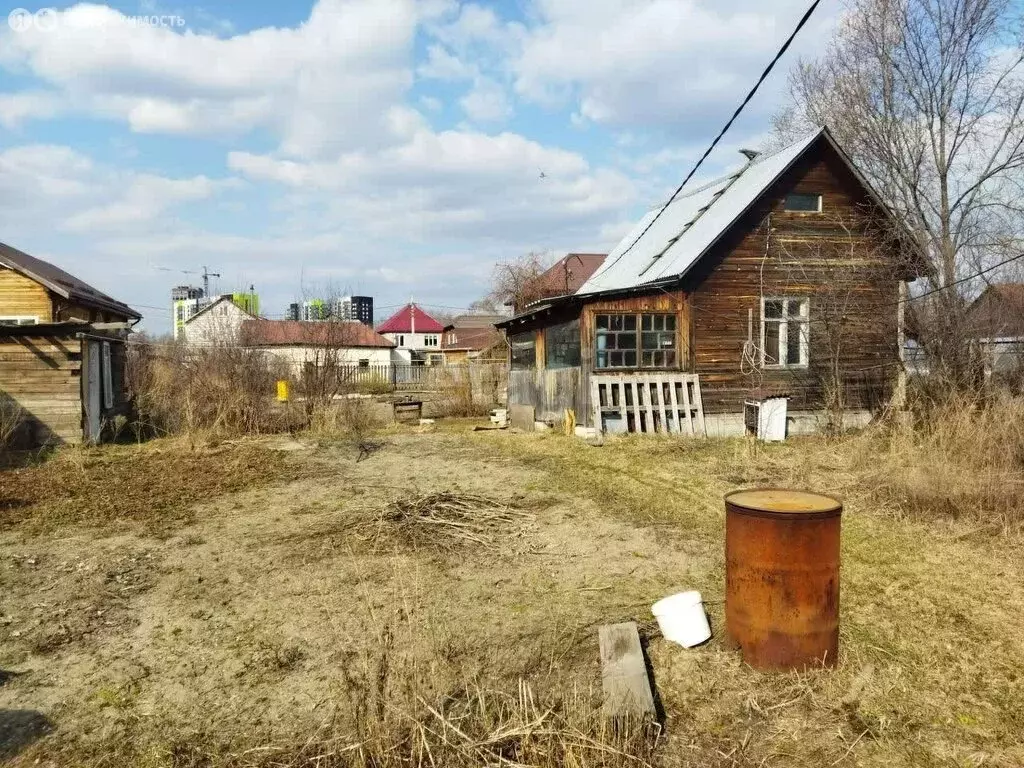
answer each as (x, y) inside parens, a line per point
(928, 96)
(518, 282)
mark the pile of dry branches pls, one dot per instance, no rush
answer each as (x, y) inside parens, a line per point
(442, 521)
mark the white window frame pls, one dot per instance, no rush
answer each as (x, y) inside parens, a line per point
(801, 210)
(804, 315)
(431, 340)
(19, 320)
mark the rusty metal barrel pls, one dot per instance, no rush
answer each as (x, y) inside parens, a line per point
(782, 577)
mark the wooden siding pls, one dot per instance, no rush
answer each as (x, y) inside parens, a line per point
(551, 392)
(23, 297)
(835, 259)
(42, 375)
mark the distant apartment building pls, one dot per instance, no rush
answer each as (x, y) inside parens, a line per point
(358, 308)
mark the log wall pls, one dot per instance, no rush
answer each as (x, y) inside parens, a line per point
(840, 259)
(42, 376)
(23, 297)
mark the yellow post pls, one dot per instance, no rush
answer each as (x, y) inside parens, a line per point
(570, 422)
(282, 391)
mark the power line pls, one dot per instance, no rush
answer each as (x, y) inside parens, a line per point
(727, 126)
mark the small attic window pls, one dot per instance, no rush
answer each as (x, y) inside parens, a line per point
(800, 202)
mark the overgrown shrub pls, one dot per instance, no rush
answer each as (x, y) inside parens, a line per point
(222, 388)
(960, 457)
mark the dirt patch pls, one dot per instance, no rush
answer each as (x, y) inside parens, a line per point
(75, 592)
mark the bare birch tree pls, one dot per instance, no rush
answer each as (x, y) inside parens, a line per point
(928, 97)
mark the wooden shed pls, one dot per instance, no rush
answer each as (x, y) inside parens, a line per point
(62, 354)
(782, 278)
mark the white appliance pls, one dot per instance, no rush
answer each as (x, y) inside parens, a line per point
(766, 419)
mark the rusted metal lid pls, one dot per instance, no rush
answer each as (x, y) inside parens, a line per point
(782, 502)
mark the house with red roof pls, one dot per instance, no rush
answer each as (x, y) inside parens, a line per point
(415, 334)
(299, 342)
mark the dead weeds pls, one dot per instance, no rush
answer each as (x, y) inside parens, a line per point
(156, 484)
(442, 521)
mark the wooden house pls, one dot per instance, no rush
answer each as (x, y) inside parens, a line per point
(995, 321)
(62, 353)
(472, 338)
(782, 278)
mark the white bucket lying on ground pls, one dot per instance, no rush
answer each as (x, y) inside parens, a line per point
(682, 619)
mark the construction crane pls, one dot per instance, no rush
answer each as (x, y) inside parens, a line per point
(206, 275)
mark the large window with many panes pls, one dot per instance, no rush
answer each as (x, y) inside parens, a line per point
(635, 340)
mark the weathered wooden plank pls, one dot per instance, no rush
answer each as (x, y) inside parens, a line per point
(632, 383)
(624, 681)
(522, 417)
(698, 404)
(662, 415)
(675, 405)
(687, 407)
(646, 389)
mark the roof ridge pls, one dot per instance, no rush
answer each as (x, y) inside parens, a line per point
(758, 159)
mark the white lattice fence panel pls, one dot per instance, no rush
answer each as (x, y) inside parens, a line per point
(666, 403)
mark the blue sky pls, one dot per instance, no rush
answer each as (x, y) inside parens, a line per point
(388, 147)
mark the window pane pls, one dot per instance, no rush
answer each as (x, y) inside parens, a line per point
(629, 358)
(793, 343)
(627, 340)
(562, 345)
(602, 322)
(524, 350)
(616, 322)
(771, 343)
(670, 322)
(773, 309)
(629, 322)
(803, 202)
(646, 321)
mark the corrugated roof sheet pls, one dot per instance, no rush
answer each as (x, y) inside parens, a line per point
(691, 224)
(349, 333)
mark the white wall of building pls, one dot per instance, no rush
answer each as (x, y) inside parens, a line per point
(415, 341)
(296, 357)
(220, 324)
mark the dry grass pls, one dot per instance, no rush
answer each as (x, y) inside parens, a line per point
(323, 626)
(440, 521)
(156, 485)
(959, 459)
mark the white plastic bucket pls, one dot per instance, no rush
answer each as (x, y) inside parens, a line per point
(682, 619)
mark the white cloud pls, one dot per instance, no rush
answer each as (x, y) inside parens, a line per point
(486, 102)
(324, 85)
(61, 187)
(441, 64)
(16, 108)
(654, 63)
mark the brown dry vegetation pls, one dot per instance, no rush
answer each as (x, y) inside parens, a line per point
(307, 620)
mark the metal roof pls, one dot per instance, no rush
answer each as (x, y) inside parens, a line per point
(691, 224)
